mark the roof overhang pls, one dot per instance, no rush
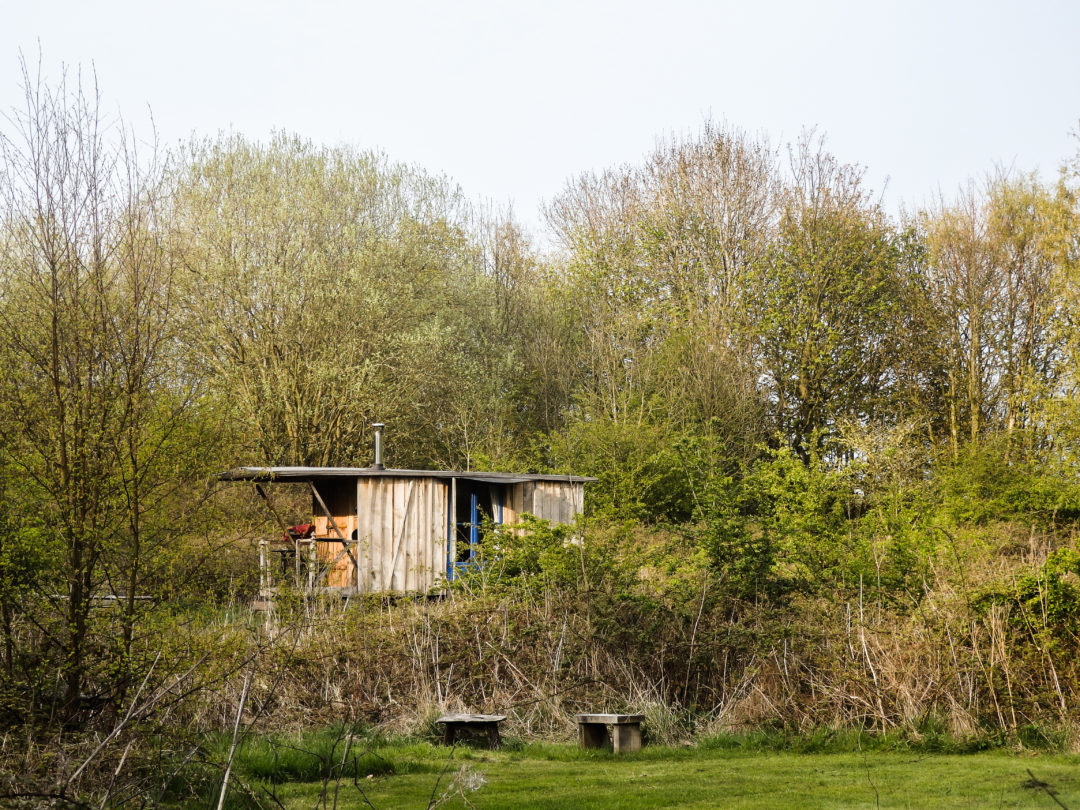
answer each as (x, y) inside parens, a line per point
(304, 474)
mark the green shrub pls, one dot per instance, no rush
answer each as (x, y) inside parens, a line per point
(991, 483)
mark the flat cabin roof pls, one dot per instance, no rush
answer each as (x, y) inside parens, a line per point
(322, 473)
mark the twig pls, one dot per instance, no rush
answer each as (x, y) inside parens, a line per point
(693, 635)
(433, 802)
(119, 726)
(171, 776)
(273, 797)
(236, 735)
(363, 794)
(344, 758)
(116, 773)
(1038, 783)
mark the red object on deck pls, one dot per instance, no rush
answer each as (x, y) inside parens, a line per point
(301, 531)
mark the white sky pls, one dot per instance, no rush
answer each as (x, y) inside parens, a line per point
(512, 99)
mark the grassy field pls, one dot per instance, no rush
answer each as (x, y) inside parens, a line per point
(418, 775)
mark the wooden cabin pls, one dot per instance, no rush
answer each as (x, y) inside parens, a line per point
(377, 530)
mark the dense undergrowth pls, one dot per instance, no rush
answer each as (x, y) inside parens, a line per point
(802, 611)
(807, 608)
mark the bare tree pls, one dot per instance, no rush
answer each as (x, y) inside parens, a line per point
(100, 425)
(659, 256)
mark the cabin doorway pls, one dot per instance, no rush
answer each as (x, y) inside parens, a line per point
(476, 503)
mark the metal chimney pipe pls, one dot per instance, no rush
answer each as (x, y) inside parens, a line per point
(378, 428)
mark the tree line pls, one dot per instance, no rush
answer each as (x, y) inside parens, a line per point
(733, 337)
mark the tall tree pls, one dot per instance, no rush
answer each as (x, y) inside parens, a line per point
(658, 256)
(94, 425)
(329, 285)
(994, 263)
(656, 260)
(825, 303)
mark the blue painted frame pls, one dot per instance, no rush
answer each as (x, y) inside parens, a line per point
(452, 565)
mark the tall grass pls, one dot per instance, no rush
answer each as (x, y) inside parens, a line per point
(542, 650)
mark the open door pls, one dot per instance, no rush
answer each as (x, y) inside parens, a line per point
(472, 502)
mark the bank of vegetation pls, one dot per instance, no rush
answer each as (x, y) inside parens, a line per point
(836, 449)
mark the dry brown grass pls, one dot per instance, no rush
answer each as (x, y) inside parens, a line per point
(828, 660)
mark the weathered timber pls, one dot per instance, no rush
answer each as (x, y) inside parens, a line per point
(401, 531)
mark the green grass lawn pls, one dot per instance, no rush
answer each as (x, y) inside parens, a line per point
(545, 776)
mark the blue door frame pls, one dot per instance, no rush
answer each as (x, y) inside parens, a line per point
(452, 565)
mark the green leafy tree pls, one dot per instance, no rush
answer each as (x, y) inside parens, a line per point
(995, 265)
(330, 289)
(655, 260)
(826, 304)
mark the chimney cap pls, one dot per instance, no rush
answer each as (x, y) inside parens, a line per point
(378, 426)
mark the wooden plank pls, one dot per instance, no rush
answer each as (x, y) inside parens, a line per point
(347, 568)
(439, 529)
(528, 490)
(414, 552)
(378, 533)
(386, 532)
(378, 508)
(388, 528)
(374, 536)
(363, 543)
(371, 535)
(408, 530)
(442, 549)
(436, 526)
(542, 500)
(432, 519)
(434, 536)
(558, 505)
(359, 538)
(626, 737)
(423, 537)
(345, 542)
(471, 718)
(515, 499)
(566, 503)
(610, 719)
(391, 519)
(399, 574)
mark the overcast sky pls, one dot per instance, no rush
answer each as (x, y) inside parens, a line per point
(513, 99)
